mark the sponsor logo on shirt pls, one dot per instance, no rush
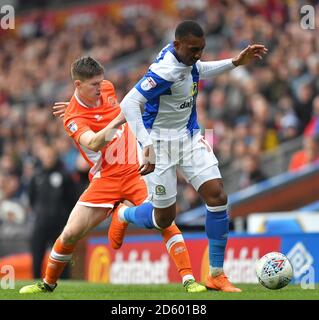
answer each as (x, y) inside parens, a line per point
(148, 84)
(72, 126)
(187, 104)
(98, 117)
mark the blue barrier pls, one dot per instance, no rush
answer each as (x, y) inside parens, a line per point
(284, 226)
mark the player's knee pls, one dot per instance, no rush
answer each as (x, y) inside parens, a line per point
(165, 218)
(68, 237)
(218, 198)
(164, 223)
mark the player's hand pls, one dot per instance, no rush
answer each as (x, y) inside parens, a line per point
(149, 157)
(119, 120)
(59, 109)
(249, 54)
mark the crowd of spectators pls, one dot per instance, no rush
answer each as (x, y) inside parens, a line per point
(251, 110)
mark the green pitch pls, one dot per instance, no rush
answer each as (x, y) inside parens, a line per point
(78, 290)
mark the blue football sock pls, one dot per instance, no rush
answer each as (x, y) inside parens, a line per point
(141, 216)
(217, 227)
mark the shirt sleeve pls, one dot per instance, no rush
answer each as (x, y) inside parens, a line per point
(152, 85)
(75, 127)
(208, 69)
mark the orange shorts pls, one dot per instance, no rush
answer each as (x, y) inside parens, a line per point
(105, 192)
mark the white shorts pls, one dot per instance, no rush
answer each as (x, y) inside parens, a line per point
(194, 157)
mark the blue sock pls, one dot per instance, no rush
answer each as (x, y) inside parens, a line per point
(217, 227)
(141, 216)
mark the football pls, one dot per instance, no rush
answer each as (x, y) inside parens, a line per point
(274, 270)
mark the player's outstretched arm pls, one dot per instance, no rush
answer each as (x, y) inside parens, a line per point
(208, 69)
(249, 54)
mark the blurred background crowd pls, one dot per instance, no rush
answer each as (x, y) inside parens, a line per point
(252, 111)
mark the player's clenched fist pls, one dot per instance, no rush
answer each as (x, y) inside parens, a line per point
(149, 157)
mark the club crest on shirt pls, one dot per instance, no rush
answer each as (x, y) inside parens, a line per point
(160, 190)
(112, 101)
(148, 84)
(72, 126)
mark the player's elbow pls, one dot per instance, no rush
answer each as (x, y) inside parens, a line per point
(93, 146)
(133, 102)
(95, 149)
(124, 105)
(92, 141)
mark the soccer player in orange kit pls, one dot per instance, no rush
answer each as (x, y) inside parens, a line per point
(94, 121)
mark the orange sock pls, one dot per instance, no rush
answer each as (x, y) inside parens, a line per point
(177, 249)
(60, 256)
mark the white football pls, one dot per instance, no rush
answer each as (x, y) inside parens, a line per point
(274, 270)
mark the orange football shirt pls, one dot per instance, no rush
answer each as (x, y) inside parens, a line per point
(119, 156)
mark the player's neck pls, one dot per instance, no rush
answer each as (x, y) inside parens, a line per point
(89, 103)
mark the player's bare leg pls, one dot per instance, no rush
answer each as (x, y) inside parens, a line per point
(82, 219)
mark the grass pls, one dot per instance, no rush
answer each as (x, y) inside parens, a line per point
(81, 290)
